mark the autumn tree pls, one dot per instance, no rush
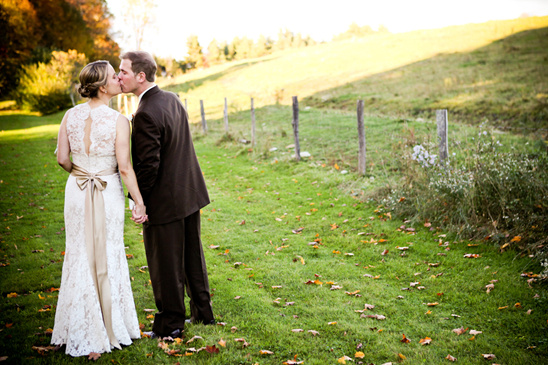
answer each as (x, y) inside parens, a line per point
(98, 20)
(31, 29)
(18, 38)
(195, 54)
(213, 52)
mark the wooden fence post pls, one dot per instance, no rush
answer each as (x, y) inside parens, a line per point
(361, 139)
(252, 124)
(295, 124)
(119, 102)
(441, 119)
(126, 109)
(226, 116)
(204, 123)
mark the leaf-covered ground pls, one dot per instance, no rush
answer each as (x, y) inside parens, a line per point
(300, 271)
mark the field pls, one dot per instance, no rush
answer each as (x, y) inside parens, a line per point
(303, 266)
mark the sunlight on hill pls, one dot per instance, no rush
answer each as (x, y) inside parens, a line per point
(326, 66)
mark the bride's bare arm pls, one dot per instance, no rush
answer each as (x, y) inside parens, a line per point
(63, 147)
(126, 169)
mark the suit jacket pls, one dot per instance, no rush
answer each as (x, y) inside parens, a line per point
(168, 173)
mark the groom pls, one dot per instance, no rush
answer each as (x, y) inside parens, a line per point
(174, 190)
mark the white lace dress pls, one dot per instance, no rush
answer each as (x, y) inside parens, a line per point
(78, 318)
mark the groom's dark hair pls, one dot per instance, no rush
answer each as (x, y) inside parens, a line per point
(141, 61)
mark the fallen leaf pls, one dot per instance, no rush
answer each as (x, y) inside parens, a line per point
(488, 356)
(380, 317)
(12, 295)
(194, 338)
(222, 342)
(405, 339)
(343, 359)
(314, 333)
(297, 330)
(359, 355)
(94, 356)
(331, 323)
(451, 358)
(212, 349)
(425, 341)
(472, 255)
(265, 352)
(474, 332)
(432, 304)
(460, 331)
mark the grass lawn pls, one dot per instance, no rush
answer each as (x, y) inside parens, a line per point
(299, 263)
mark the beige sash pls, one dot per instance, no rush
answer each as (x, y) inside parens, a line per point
(95, 231)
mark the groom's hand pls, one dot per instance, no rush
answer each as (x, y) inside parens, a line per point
(138, 214)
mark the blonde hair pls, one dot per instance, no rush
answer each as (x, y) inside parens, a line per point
(92, 77)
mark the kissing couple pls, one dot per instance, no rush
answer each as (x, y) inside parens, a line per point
(95, 310)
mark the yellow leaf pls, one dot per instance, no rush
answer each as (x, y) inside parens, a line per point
(402, 357)
(336, 167)
(222, 342)
(516, 239)
(12, 295)
(41, 297)
(332, 323)
(265, 352)
(359, 355)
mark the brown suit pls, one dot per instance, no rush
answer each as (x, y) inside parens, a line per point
(174, 191)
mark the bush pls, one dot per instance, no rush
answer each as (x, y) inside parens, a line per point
(493, 192)
(47, 87)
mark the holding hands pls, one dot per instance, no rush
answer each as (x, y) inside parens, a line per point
(138, 214)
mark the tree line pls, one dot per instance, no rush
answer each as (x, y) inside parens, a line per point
(244, 48)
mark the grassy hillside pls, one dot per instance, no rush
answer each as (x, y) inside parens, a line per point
(492, 70)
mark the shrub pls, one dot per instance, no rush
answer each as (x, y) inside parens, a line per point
(493, 192)
(47, 87)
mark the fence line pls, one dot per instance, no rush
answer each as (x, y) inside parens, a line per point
(128, 105)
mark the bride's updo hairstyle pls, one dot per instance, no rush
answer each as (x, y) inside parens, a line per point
(92, 77)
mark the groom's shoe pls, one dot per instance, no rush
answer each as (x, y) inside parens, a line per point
(205, 323)
(178, 333)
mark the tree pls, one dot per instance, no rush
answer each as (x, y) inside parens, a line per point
(98, 20)
(260, 48)
(31, 29)
(213, 52)
(49, 87)
(139, 15)
(195, 55)
(18, 38)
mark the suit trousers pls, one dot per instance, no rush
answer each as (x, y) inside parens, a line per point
(176, 259)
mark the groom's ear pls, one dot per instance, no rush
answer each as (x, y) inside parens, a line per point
(141, 76)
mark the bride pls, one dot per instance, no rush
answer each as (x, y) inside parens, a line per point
(95, 310)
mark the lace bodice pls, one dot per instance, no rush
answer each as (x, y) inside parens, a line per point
(102, 136)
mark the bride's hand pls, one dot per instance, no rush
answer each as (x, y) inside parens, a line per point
(138, 214)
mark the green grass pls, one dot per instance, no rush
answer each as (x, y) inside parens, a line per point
(258, 199)
(266, 209)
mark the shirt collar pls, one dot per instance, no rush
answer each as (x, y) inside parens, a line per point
(143, 93)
